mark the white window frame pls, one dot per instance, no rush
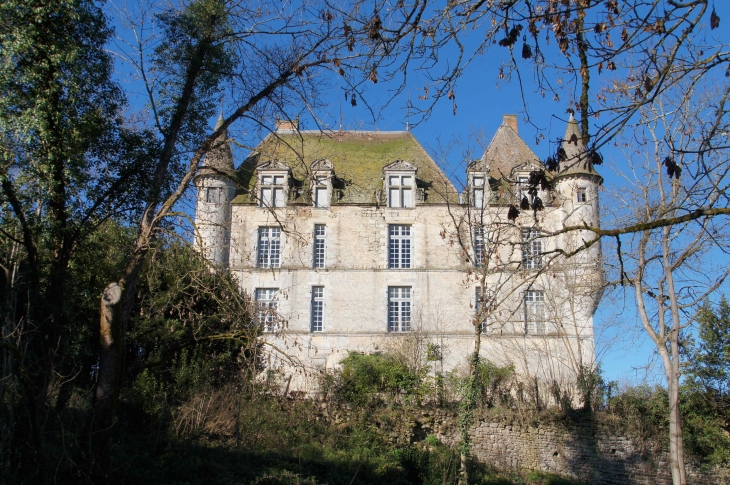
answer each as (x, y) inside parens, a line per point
(267, 307)
(400, 306)
(535, 321)
(478, 185)
(272, 189)
(531, 248)
(269, 247)
(317, 315)
(319, 247)
(581, 195)
(404, 184)
(480, 247)
(400, 246)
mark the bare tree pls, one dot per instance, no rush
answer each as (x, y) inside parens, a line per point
(671, 270)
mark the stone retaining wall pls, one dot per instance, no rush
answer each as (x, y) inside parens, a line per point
(586, 448)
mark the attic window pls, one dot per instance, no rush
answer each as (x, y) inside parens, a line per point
(522, 188)
(321, 191)
(400, 190)
(213, 195)
(272, 191)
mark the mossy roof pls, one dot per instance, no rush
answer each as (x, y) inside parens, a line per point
(358, 159)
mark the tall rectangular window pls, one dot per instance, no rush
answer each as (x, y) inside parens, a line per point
(399, 246)
(400, 191)
(531, 248)
(272, 191)
(266, 308)
(479, 246)
(523, 188)
(481, 301)
(269, 247)
(478, 192)
(321, 198)
(535, 312)
(320, 241)
(317, 308)
(213, 195)
(581, 196)
(399, 308)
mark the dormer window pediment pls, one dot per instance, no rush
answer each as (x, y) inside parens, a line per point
(400, 184)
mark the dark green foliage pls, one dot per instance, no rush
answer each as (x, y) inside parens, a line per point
(645, 410)
(705, 400)
(371, 378)
(192, 329)
(495, 384)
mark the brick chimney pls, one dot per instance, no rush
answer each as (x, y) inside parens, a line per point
(511, 121)
(287, 125)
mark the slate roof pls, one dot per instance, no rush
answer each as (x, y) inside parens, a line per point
(220, 157)
(505, 152)
(358, 159)
(577, 161)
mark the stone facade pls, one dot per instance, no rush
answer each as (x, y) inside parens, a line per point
(401, 250)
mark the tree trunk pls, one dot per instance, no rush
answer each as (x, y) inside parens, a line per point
(110, 372)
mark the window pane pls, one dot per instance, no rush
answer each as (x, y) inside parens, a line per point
(479, 198)
(399, 246)
(406, 181)
(394, 180)
(266, 180)
(317, 308)
(266, 197)
(407, 198)
(478, 181)
(279, 180)
(319, 246)
(266, 305)
(394, 198)
(279, 197)
(269, 247)
(320, 197)
(399, 309)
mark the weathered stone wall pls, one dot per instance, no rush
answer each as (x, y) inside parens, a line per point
(591, 449)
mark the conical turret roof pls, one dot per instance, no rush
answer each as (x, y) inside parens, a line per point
(577, 160)
(220, 158)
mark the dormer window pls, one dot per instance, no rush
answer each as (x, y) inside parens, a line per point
(400, 191)
(273, 180)
(322, 173)
(400, 181)
(321, 193)
(477, 184)
(272, 191)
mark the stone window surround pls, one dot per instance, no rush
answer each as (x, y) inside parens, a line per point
(401, 188)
